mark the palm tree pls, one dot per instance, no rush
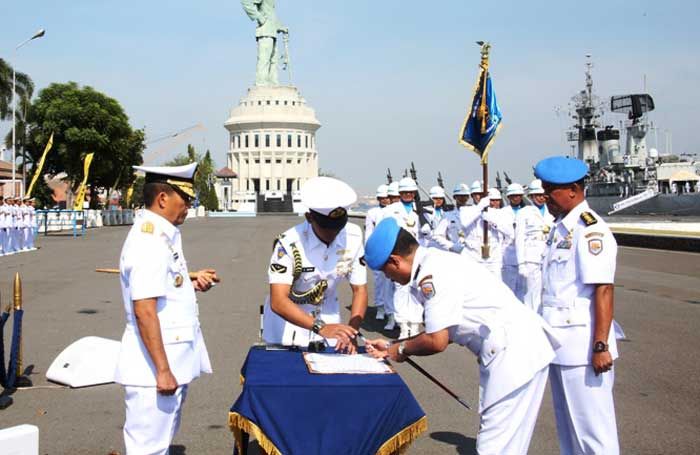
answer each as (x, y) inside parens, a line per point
(25, 90)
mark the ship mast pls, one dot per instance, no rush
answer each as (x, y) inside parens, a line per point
(586, 108)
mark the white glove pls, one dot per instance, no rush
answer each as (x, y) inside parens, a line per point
(489, 216)
(483, 203)
(425, 230)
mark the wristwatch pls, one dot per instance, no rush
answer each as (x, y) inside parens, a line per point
(402, 348)
(600, 346)
(318, 325)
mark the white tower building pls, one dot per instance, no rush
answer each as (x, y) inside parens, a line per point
(272, 147)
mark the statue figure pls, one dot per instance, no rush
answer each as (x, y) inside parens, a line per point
(263, 12)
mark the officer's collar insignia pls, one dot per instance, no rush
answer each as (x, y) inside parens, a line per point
(595, 246)
(178, 280)
(147, 227)
(588, 218)
(427, 287)
(337, 213)
(278, 268)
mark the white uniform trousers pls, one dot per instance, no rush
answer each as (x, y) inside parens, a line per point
(584, 410)
(27, 238)
(532, 286)
(506, 427)
(511, 278)
(7, 244)
(2, 241)
(17, 239)
(152, 419)
(379, 284)
(406, 308)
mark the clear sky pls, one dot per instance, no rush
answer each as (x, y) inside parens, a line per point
(390, 80)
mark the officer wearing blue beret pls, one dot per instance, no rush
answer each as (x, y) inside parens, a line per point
(577, 301)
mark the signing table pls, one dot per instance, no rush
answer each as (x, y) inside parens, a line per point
(291, 411)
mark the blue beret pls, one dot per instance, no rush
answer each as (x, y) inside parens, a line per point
(560, 170)
(381, 243)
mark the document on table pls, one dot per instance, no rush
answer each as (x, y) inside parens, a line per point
(345, 364)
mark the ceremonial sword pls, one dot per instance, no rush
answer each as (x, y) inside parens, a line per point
(429, 376)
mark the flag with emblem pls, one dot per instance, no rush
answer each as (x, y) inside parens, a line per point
(484, 119)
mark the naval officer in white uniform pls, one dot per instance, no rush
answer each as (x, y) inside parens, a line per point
(449, 235)
(162, 348)
(308, 262)
(577, 301)
(374, 216)
(466, 304)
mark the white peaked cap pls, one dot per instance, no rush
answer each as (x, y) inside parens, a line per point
(383, 191)
(393, 189)
(181, 177)
(326, 194)
(494, 194)
(514, 189)
(461, 190)
(476, 187)
(437, 192)
(535, 187)
(407, 184)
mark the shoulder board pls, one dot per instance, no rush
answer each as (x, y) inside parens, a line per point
(588, 218)
(147, 227)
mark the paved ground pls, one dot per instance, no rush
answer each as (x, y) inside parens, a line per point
(657, 388)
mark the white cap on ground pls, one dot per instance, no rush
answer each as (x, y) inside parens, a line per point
(325, 195)
(476, 187)
(393, 189)
(407, 184)
(437, 192)
(535, 187)
(514, 189)
(383, 190)
(494, 194)
(461, 190)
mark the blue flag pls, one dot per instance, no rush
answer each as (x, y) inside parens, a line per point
(483, 120)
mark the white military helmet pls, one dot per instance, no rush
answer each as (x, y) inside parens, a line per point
(461, 190)
(393, 189)
(514, 189)
(476, 187)
(407, 184)
(535, 187)
(383, 191)
(437, 192)
(494, 194)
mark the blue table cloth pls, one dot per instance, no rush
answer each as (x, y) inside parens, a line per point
(293, 412)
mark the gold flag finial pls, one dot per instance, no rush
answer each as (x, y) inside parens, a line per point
(17, 295)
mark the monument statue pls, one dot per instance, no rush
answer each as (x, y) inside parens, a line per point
(263, 13)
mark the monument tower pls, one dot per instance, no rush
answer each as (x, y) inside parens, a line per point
(272, 130)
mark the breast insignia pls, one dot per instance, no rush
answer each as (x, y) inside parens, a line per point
(588, 218)
(178, 280)
(147, 227)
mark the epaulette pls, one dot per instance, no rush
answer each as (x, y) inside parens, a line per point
(588, 218)
(147, 227)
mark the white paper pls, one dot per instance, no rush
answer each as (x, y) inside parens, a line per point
(346, 364)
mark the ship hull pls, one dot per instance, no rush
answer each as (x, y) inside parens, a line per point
(687, 204)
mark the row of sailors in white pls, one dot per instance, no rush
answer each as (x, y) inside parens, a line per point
(17, 225)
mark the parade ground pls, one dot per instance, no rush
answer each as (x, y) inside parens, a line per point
(657, 302)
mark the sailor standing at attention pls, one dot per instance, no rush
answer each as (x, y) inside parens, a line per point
(448, 235)
(3, 229)
(394, 197)
(407, 311)
(467, 305)
(509, 272)
(307, 264)
(577, 301)
(433, 215)
(162, 348)
(374, 216)
(532, 227)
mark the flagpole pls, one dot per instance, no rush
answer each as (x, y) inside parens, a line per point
(485, 48)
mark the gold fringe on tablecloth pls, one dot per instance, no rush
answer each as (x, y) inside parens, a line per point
(401, 440)
(237, 423)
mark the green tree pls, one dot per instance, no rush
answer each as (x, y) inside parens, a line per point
(25, 88)
(204, 180)
(84, 120)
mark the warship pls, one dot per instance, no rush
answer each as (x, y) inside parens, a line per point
(636, 180)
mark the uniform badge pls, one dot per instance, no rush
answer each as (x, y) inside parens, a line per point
(546, 229)
(564, 245)
(427, 287)
(147, 227)
(278, 268)
(281, 252)
(178, 280)
(594, 234)
(308, 269)
(595, 246)
(410, 223)
(588, 218)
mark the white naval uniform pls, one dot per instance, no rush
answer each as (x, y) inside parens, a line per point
(24, 226)
(152, 265)
(510, 341)
(509, 270)
(334, 263)
(500, 231)
(14, 229)
(531, 231)
(374, 216)
(580, 255)
(433, 216)
(31, 231)
(3, 229)
(406, 309)
(449, 235)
